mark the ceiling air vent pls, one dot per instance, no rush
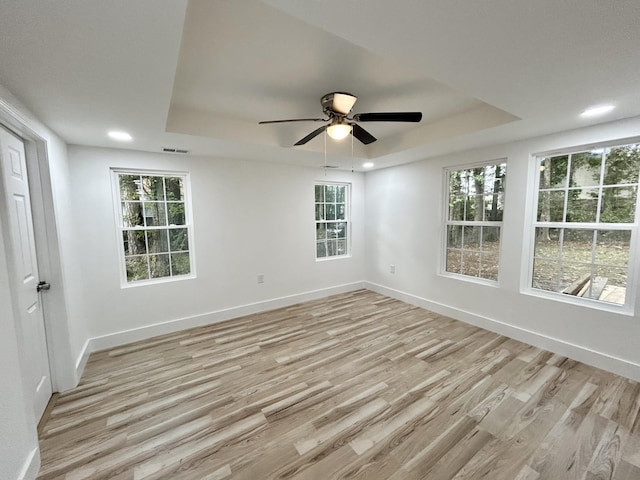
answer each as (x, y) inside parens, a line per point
(175, 150)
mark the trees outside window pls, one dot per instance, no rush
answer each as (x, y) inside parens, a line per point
(474, 220)
(154, 227)
(332, 211)
(586, 222)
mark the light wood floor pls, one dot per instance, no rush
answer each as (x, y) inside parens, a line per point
(355, 386)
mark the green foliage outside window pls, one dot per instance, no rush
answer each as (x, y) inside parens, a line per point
(155, 234)
(585, 219)
(474, 216)
(332, 222)
(583, 185)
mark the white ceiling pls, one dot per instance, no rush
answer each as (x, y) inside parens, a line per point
(200, 74)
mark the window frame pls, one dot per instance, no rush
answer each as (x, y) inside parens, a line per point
(484, 223)
(120, 228)
(532, 221)
(347, 220)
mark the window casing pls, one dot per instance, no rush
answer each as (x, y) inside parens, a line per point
(473, 225)
(154, 227)
(586, 223)
(333, 224)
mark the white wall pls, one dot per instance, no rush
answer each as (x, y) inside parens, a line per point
(250, 218)
(404, 227)
(67, 243)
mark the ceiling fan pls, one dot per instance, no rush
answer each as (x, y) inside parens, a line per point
(337, 106)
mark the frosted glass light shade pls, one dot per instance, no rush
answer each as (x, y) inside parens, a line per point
(339, 131)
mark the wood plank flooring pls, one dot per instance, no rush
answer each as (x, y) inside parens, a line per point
(356, 386)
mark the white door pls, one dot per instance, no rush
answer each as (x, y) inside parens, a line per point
(24, 272)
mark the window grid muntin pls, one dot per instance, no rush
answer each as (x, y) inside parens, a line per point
(594, 263)
(483, 253)
(467, 191)
(144, 198)
(321, 203)
(595, 227)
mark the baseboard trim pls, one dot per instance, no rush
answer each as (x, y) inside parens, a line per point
(134, 335)
(31, 466)
(582, 354)
(81, 362)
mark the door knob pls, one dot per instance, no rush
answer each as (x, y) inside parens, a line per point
(43, 286)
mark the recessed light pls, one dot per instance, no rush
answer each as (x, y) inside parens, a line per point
(596, 111)
(367, 165)
(120, 136)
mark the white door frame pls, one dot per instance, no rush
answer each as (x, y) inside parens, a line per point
(36, 141)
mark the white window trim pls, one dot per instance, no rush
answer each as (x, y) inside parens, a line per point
(445, 222)
(347, 219)
(118, 221)
(531, 218)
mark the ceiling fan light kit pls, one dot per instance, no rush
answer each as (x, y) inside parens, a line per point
(337, 106)
(339, 131)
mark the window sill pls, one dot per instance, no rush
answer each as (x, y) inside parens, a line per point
(579, 302)
(333, 257)
(466, 278)
(156, 281)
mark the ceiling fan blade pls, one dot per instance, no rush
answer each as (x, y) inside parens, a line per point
(313, 134)
(388, 117)
(362, 135)
(294, 120)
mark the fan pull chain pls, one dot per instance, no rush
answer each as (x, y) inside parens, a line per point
(352, 152)
(325, 152)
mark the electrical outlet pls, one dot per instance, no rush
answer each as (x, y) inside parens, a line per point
(261, 278)
(392, 269)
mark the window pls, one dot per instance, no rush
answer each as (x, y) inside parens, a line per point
(474, 220)
(586, 221)
(332, 219)
(154, 227)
